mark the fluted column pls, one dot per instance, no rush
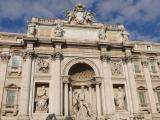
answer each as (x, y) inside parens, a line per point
(109, 99)
(132, 83)
(4, 58)
(149, 86)
(56, 83)
(25, 85)
(98, 98)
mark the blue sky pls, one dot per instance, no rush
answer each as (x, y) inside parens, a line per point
(140, 17)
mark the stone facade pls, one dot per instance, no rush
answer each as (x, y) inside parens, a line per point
(78, 68)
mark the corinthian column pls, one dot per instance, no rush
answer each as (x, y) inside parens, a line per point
(107, 85)
(132, 82)
(25, 85)
(56, 83)
(149, 86)
(98, 98)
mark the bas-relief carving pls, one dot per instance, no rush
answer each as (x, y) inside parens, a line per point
(79, 15)
(82, 110)
(43, 65)
(119, 98)
(116, 68)
(41, 100)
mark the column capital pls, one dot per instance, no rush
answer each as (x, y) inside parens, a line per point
(65, 79)
(57, 55)
(4, 57)
(28, 54)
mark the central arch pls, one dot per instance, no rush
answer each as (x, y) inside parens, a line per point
(81, 60)
(80, 88)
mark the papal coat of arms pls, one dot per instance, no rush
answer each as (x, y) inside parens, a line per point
(79, 15)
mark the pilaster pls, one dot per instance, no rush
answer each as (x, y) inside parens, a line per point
(132, 82)
(107, 84)
(26, 84)
(56, 82)
(4, 58)
(149, 85)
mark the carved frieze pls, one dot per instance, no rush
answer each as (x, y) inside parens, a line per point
(116, 68)
(42, 65)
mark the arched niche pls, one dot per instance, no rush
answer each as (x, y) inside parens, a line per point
(81, 60)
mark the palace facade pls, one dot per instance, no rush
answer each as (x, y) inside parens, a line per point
(79, 68)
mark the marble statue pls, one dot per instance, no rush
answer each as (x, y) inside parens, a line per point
(125, 35)
(102, 34)
(42, 100)
(58, 31)
(82, 110)
(120, 99)
(31, 29)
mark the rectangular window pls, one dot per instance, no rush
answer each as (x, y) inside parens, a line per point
(136, 67)
(153, 67)
(142, 99)
(10, 100)
(15, 61)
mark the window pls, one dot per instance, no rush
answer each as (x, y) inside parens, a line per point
(136, 67)
(16, 61)
(158, 96)
(142, 96)
(142, 99)
(153, 67)
(10, 100)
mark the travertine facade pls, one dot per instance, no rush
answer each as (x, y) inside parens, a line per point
(79, 68)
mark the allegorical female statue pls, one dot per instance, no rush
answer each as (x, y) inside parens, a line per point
(42, 100)
(120, 99)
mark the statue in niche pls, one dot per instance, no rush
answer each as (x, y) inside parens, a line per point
(102, 34)
(42, 100)
(58, 31)
(81, 109)
(119, 99)
(43, 65)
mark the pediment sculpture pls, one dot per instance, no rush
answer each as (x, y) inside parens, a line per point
(79, 15)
